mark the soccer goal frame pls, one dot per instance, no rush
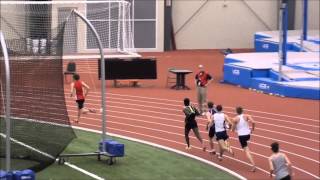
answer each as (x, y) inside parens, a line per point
(119, 26)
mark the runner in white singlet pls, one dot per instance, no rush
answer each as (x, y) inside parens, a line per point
(221, 133)
(241, 125)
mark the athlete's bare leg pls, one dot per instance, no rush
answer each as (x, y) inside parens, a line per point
(197, 134)
(249, 156)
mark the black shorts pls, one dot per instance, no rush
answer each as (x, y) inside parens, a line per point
(212, 131)
(244, 140)
(80, 103)
(286, 178)
(190, 126)
(222, 135)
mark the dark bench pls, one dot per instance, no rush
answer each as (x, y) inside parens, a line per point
(110, 161)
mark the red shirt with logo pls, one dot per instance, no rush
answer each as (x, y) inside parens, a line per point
(79, 90)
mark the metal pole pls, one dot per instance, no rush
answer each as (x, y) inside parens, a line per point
(280, 43)
(304, 30)
(103, 82)
(305, 19)
(285, 33)
(8, 100)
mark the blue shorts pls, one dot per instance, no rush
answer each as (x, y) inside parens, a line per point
(222, 135)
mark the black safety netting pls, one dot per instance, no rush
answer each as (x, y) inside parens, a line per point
(40, 127)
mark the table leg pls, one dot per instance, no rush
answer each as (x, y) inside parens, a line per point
(180, 81)
(183, 81)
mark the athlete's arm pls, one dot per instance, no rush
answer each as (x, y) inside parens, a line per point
(229, 121)
(209, 123)
(288, 164)
(72, 89)
(208, 117)
(271, 166)
(249, 119)
(196, 110)
(235, 122)
(86, 88)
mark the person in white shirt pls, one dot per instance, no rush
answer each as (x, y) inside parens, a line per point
(220, 120)
(241, 125)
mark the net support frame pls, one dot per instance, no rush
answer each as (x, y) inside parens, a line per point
(103, 83)
(304, 29)
(305, 19)
(283, 33)
(8, 101)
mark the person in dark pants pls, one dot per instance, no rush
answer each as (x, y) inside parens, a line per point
(203, 79)
(191, 123)
(279, 163)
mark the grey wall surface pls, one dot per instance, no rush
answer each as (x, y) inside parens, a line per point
(222, 23)
(230, 23)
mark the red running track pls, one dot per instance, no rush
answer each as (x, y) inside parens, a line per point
(154, 113)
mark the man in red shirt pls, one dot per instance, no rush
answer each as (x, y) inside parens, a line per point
(202, 81)
(81, 90)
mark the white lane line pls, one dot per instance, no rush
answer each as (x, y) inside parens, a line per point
(285, 134)
(161, 99)
(29, 147)
(174, 105)
(171, 109)
(51, 157)
(200, 124)
(83, 171)
(157, 112)
(275, 119)
(307, 131)
(134, 109)
(295, 144)
(177, 134)
(166, 104)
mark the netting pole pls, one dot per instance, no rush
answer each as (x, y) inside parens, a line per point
(284, 33)
(305, 19)
(280, 43)
(283, 29)
(103, 82)
(8, 100)
(304, 32)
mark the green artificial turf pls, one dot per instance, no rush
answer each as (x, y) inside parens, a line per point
(141, 162)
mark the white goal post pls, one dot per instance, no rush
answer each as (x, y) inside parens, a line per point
(111, 19)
